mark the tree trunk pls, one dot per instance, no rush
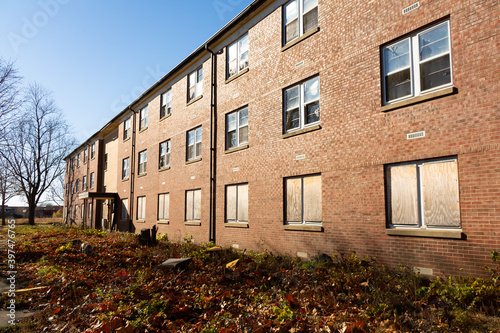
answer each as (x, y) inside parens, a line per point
(3, 211)
(31, 212)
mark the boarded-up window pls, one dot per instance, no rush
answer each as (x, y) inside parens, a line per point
(424, 194)
(141, 208)
(237, 203)
(163, 206)
(193, 205)
(303, 200)
(124, 214)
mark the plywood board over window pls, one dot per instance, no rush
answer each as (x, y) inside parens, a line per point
(304, 200)
(312, 199)
(294, 200)
(441, 204)
(404, 196)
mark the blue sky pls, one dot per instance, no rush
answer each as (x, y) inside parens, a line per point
(97, 56)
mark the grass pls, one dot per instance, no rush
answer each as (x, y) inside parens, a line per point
(122, 285)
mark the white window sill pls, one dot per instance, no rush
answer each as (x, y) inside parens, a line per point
(419, 99)
(303, 227)
(236, 224)
(192, 223)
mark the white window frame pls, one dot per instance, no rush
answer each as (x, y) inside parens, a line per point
(92, 179)
(84, 183)
(141, 208)
(238, 188)
(126, 168)
(195, 84)
(238, 126)
(85, 156)
(164, 155)
(92, 151)
(300, 17)
(420, 215)
(143, 118)
(414, 64)
(240, 59)
(166, 103)
(302, 201)
(142, 162)
(301, 105)
(90, 211)
(126, 128)
(190, 211)
(164, 202)
(195, 143)
(83, 212)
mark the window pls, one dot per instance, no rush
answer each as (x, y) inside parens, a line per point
(417, 64)
(303, 200)
(72, 188)
(193, 205)
(237, 56)
(164, 154)
(124, 210)
(91, 180)
(195, 84)
(105, 162)
(143, 159)
(125, 168)
(126, 128)
(301, 105)
(237, 203)
(76, 212)
(84, 183)
(141, 208)
(166, 103)
(83, 211)
(300, 16)
(90, 211)
(163, 206)
(85, 156)
(143, 116)
(194, 144)
(92, 151)
(78, 160)
(423, 194)
(77, 185)
(72, 163)
(237, 128)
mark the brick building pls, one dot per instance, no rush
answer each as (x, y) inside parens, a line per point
(309, 126)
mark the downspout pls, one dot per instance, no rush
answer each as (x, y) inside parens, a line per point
(132, 173)
(213, 143)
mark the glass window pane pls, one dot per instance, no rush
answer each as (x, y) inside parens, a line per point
(198, 134)
(398, 85)
(233, 67)
(192, 79)
(434, 42)
(311, 20)
(190, 152)
(292, 98)
(311, 90)
(312, 113)
(232, 52)
(292, 31)
(198, 150)
(190, 138)
(243, 43)
(397, 56)
(310, 4)
(243, 132)
(200, 74)
(292, 119)
(231, 139)
(244, 61)
(231, 121)
(243, 114)
(291, 12)
(435, 73)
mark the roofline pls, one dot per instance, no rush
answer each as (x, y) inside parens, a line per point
(238, 18)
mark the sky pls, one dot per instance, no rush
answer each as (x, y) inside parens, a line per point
(97, 56)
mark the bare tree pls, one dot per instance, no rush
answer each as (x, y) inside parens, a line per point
(36, 143)
(8, 188)
(9, 91)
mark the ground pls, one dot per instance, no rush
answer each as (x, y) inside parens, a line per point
(121, 286)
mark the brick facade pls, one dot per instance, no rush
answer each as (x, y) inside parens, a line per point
(356, 139)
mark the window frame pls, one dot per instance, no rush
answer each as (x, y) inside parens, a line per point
(92, 151)
(92, 180)
(166, 155)
(198, 85)
(193, 210)
(126, 175)
(421, 224)
(237, 204)
(301, 105)
(302, 201)
(84, 183)
(238, 56)
(195, 143)
(300, 18)
(78, 160)
(142, 160)
(166, 207)
(414, 66)
(127, 128)
(85, 156)
(143, 118)
(239, 143)
(141, 213)
(166, 103)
